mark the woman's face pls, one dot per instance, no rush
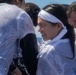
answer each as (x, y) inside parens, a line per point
(72, 19)
(47, 30)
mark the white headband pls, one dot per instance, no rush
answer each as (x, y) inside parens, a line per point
(49, 17)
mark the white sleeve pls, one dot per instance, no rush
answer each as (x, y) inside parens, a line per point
(44, 68)
(25, 25)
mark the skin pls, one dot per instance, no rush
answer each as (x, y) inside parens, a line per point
(48, 30)
(19, 3)
(72, 19)
(16, 72)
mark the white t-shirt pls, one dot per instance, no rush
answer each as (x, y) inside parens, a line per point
(14, 24)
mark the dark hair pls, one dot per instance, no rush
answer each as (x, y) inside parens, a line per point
(59, 12)
(6, 1)
(72, 7)
(65, 6)
(32, 9)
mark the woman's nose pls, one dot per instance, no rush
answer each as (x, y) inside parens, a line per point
(39, 29)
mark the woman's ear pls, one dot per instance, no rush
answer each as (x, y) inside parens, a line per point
(59, 26)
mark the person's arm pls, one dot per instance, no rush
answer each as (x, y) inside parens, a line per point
(30, 51)
(14, 70)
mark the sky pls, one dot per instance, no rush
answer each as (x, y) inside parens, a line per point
(42, 3)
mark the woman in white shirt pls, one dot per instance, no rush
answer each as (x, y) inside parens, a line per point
(56, 55)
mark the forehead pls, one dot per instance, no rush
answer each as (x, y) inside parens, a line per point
(40, 20)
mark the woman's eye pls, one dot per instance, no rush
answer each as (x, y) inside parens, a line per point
(43, 25)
